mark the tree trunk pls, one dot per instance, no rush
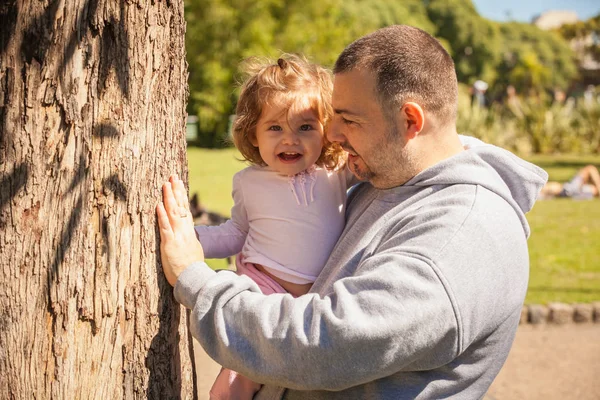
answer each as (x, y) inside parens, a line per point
(92, 119)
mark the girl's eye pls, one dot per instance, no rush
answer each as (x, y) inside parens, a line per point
(275, 128)
(306, 127)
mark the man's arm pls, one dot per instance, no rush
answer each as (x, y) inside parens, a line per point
(392, 315)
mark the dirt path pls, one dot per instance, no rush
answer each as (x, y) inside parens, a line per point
(206, 371)
(551, 362)
(546, 362)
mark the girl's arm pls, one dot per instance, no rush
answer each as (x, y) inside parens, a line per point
(226, 239)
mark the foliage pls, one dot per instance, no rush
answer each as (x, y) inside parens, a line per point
(488, 124)
(586, 37)
(534, 124)
(319, 30)
(375, 14)
(534, 60)
(474, 40)
(221, 33)
(565, 263)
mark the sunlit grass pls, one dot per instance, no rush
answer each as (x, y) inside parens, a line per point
(210, 176)
(564, 245)
(211, 172)
(564, 251)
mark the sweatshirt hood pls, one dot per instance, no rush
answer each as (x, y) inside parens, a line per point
(515, 180)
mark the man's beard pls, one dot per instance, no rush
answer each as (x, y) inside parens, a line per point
(387, 170)
(363, 173)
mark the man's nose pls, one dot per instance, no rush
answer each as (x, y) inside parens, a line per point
(334, 132)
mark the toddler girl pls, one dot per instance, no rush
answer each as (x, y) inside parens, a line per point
(289, 204)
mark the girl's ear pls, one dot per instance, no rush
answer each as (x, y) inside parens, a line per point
(252, 138)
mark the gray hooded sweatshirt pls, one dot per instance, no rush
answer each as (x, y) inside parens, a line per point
(420, 298)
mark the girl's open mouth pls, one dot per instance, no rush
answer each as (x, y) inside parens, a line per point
(289, 157)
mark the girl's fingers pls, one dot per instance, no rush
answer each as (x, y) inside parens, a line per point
(166, 232)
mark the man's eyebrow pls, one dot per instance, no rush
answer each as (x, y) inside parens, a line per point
(343, 111)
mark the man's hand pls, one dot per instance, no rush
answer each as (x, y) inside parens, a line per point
(179, 246)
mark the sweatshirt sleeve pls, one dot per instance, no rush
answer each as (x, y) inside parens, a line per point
(227, 239)
(393, 314)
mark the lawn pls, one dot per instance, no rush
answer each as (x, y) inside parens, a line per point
(564, 244)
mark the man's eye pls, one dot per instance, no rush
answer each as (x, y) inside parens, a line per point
(306, 127)
(275, 128)
(347, 121)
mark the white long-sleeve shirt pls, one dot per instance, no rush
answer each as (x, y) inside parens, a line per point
(288, 225)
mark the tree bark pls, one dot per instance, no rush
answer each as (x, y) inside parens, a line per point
(92, 119)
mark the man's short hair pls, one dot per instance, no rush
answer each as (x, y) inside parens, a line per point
(409, 65)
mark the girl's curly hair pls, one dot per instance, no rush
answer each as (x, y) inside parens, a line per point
(292, 77)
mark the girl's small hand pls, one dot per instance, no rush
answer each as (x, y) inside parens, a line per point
(179, 246)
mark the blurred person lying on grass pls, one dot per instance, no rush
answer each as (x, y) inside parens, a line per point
(584, 185)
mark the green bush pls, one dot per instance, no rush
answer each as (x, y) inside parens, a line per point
(533, 124)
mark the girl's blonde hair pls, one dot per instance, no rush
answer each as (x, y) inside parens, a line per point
(284, 82)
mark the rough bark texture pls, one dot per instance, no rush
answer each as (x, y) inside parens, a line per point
(92, 122)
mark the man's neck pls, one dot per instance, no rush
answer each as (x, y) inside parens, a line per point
(434, 147)
(431, 149)
(423, 152)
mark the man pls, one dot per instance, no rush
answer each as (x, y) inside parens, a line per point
(422, 295)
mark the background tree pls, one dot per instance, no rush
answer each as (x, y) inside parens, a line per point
(474, 41)
(221, 33)
(586, 34)
(92, 111)
(535, 60)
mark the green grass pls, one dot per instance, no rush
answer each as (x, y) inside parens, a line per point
(562, 168)
(210, 175)
(564, 247)
(564, 251)
(565, 234)
(211, 172)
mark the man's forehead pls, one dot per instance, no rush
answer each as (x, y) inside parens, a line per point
(351, 89)
(356, 79)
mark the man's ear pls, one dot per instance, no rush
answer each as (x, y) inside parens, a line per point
(414, 119)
